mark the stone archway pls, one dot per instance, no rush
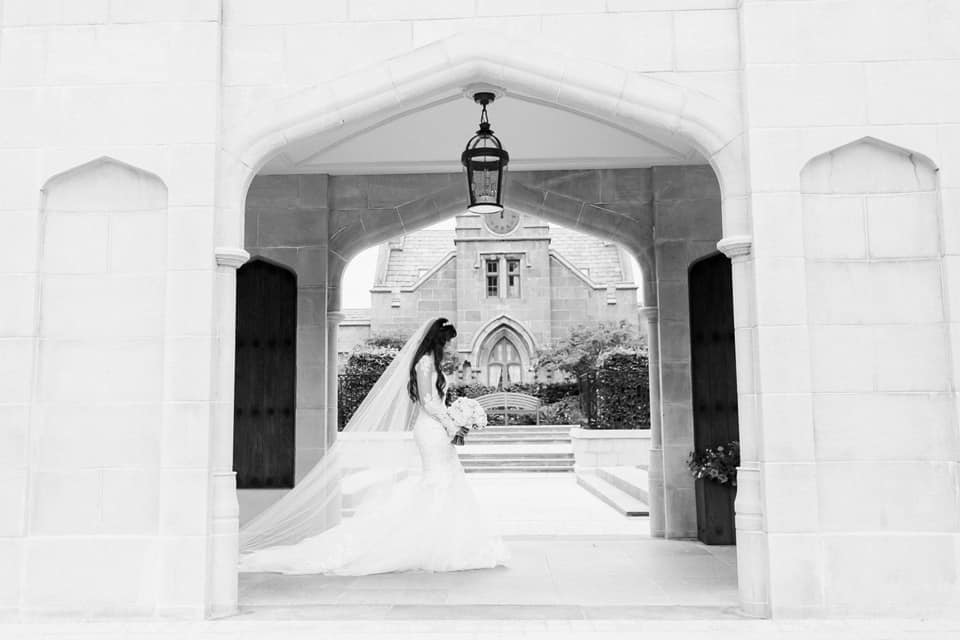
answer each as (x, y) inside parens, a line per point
(438, 73)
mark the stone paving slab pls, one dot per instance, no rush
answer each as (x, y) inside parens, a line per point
(498, 629)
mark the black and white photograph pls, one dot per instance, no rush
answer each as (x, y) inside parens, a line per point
(480, 319)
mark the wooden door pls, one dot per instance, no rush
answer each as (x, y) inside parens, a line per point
(265, 397)
(714, 386)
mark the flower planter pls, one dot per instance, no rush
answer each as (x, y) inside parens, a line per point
(715, 512)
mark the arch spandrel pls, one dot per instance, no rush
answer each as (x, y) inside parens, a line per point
(438, 72)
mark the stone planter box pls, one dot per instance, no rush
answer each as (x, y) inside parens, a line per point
(610, 447)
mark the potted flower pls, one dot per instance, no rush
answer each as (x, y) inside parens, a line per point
(715, 469)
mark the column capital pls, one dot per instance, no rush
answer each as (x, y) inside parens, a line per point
(231, 257)
(650, 313)
(735, 247)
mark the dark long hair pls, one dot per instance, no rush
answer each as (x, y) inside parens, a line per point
(438, 335)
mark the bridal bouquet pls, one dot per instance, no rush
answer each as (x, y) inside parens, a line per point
(468, 413)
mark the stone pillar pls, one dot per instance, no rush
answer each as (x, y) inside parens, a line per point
(752, 551)
(655, 469)
(223, 543)
(334, 318)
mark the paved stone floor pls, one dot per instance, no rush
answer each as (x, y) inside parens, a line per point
(573, 558)
(579, 570)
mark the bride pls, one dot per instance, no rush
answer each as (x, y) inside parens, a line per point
(428, 522)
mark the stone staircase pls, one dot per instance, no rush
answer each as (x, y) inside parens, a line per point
(625, 489)
(525, 448)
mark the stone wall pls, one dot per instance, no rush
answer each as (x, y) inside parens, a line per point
(763, 87)
(402, 312)
(286, 223)
(610, 447)
(686, 208)
(574, 302)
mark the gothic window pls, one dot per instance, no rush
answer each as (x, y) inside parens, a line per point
(513, 277)
(504, 366)
(502, 276)
(493, 277)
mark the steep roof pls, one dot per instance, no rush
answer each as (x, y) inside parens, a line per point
(598, 259)
(404, 260)
(411, 255)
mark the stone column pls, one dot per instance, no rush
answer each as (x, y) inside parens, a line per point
(752, 552)
(223, 542)
(334, 318)
(655, 470)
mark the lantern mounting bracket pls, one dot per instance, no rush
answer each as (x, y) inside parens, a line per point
(483, 98)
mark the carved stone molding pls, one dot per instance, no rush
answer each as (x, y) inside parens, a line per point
(231, 257)
(650, 313)
(336, 316)
(735, 246)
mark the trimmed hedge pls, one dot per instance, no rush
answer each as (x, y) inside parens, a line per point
(359, 375)
(623, 396)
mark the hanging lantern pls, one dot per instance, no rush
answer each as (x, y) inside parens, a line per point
(485, 159)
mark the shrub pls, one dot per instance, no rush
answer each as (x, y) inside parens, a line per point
(578, 353)
(361, 372)
(565, 411)
(623, 397)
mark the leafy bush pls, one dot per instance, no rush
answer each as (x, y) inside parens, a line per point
(578, 353)
(565, 411)
(361, 372)
(717, 465)
(623, 396)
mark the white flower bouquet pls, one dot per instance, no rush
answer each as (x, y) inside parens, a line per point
(466, 413)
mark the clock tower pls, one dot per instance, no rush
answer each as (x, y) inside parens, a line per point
(501, 223)
(503, 269)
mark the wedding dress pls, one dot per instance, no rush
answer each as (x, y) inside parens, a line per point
(430, 521)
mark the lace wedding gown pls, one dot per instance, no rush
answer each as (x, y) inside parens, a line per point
(430, 522)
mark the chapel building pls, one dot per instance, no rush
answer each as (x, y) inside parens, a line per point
(510, 283)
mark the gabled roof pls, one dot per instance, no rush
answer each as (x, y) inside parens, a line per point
(599, 260)
(403, 261)
(410, 256)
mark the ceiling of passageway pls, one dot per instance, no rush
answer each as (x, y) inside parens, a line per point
(429, 140)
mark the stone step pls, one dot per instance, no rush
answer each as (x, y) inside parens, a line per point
(531, 455)
(631, 480)
(520, 434)
(526, 429)
(611, 495)
(526, 462)
(519, 468)
(477, 439)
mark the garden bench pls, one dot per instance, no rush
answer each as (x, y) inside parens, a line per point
(510, 403)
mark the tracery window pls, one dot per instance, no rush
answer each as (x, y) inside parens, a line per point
(504, 365)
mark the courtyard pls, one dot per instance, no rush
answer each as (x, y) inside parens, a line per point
(573, 558)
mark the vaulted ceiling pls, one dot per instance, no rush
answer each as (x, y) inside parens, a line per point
(431, 139)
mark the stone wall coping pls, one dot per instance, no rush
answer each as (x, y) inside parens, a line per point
(605, 434)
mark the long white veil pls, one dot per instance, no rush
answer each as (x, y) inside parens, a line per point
(314, 504)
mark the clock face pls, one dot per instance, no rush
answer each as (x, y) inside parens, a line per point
(502, 223)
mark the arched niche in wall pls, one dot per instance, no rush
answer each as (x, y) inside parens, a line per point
(880, 366)
(98, 419)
